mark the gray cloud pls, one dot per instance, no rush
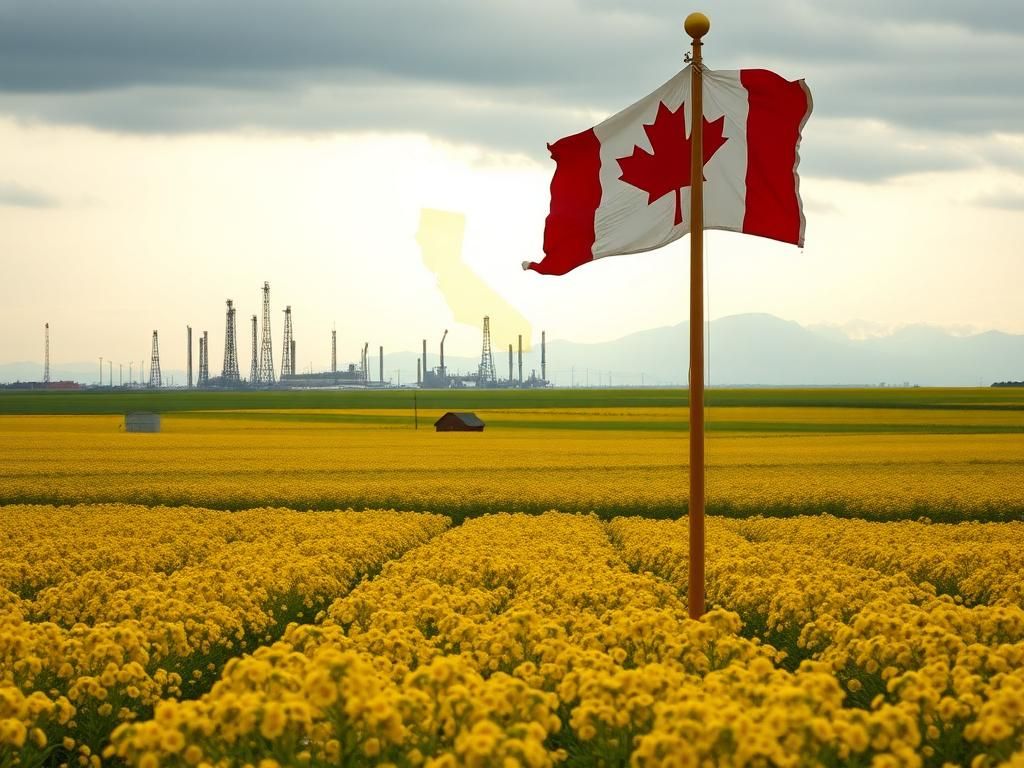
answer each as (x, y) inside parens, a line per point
(1004, 201)
(18, 196)
(509, 75)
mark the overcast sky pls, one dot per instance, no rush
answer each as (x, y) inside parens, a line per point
(159, 158)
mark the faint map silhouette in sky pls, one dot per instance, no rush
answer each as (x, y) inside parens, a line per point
(469, 298)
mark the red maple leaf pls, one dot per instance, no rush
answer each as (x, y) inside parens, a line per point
(668, 168)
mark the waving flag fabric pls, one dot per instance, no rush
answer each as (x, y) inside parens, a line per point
(624, 185)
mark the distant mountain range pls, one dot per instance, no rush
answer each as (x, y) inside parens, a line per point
(764, 350)
(752, 349)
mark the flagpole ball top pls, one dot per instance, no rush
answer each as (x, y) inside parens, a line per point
(697, 25)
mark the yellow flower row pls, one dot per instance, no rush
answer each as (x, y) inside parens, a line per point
(108, 609)
(860, 598)
(527, 638)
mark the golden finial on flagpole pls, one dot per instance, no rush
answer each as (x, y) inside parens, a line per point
(697, 25)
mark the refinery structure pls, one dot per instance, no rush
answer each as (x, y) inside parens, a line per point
(262, 373)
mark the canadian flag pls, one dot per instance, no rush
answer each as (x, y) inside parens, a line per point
(624, 185)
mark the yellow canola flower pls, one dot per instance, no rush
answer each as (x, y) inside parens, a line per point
(510, 636)
(116, 607)
(509, 640)
(929, 669)
(327, 458)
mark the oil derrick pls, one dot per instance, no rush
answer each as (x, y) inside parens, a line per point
(204, 361)
(287, 363)
(188, 330)
(46, 362)
(265, 375)
(254, 367)
(154, 363)
(486, 373)
(230, 372)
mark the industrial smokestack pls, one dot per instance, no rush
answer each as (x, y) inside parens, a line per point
(204, 360)
(510, 365)
(293, 357)
(443, 372)
(46, 362)
(425, 361)
(543, 358)
(380, 360)
(418, 379)
(334, 351)
(520, 359)
(254, 368)
(366, 360)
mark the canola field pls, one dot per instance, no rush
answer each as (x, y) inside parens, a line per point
(238, 590)
(943, 454)
(189, 637)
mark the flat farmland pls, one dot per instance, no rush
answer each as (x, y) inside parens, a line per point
(312, 581)
(945, 455)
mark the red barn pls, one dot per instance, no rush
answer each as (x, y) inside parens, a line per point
(459, 422)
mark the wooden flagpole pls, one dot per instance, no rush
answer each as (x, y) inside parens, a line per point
(696, 26)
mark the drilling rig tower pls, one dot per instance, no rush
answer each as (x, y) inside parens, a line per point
(287, 364)
(204, 361)
(486, 374)
(266, 371)
(230, 373)
(154, 363)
